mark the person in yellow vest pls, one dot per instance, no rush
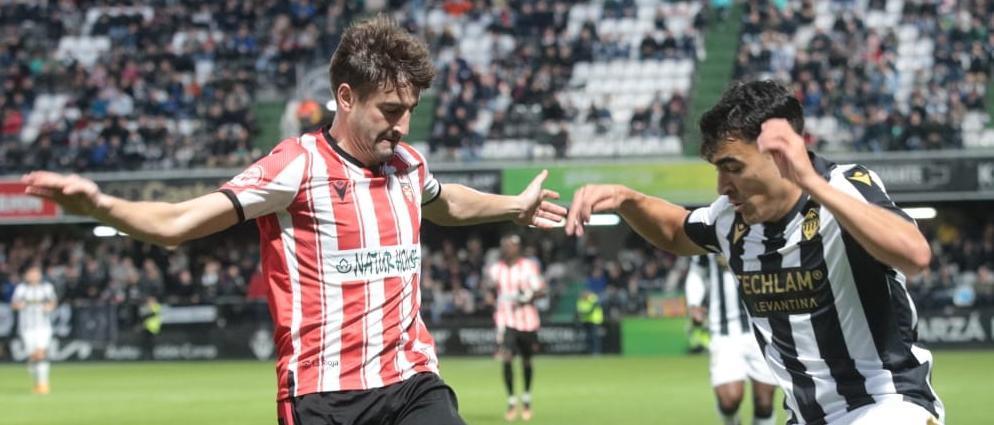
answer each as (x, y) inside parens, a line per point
(151, 315)
(591, 315)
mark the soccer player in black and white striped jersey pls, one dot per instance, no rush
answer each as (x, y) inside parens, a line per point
(34, 300)
(735, 356)
(821, 256)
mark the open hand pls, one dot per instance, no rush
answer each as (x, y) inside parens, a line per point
(77, 195)
(536, 209)
(590, 199)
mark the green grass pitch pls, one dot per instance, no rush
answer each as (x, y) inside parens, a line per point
(568, 390)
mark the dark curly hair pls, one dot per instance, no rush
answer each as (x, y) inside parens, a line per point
(743, 108)
(378, 53)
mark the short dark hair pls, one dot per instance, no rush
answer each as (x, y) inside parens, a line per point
(379, 53)
(743, 108)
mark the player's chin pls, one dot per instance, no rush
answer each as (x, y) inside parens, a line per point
(386, 148)
(384, 153)
(750, 216)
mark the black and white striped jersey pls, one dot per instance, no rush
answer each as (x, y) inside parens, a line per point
(33, 316)
(708, 280)
(837, 327)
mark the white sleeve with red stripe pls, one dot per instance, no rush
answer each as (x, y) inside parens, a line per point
(270, 184)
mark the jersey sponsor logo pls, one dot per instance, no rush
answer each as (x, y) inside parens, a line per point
(375, 263)
(320, 361)
(740, 229)
(811, 224)
(341, 188)
(248, 178)
(788, 291)
(861, 177)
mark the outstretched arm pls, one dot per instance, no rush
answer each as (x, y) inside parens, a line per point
(161, 223)
(656, 220)
(888, 237)
(458, 205)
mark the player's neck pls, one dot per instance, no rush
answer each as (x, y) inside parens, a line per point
(791, 196)
(347, 143)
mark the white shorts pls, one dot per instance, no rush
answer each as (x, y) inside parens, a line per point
(736, 357)
(36, 339)
(888, 412)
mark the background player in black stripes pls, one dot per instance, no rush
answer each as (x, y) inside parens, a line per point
(820, 252)
(734, 354)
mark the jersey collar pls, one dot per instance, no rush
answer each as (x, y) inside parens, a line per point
(821, 165)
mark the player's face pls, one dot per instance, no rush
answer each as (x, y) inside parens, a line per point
(378, 122)
(752, 182)
(510, 247)
(32, 276)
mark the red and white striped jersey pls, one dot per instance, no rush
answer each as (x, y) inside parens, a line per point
(511, 281)
(341, 253)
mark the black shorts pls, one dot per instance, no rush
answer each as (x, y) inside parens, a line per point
(424, 399)
(521, 343)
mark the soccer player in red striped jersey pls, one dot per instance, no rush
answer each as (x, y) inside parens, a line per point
(339, 213)
(518, 282)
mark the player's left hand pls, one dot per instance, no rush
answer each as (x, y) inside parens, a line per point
(536, 210)
(75, 194)
(787, 148)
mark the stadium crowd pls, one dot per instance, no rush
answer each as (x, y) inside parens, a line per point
(511, 85)
(110, 85)
(904, 85)
(117, 85)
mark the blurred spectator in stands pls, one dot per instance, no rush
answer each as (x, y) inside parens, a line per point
(600, 115)
(597, 279)
(184, 290)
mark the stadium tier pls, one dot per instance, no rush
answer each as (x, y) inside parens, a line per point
(128, 85)
(878, 75)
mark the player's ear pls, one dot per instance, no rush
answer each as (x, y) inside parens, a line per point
(346, 97)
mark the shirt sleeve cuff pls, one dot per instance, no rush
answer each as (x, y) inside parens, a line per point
(238, 205)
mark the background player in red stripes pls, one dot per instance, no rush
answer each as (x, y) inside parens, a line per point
(339, 213)
(518, 281)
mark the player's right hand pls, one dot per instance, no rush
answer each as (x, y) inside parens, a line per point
(590, 199)
(77, 195)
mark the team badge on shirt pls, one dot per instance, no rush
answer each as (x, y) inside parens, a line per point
(405, 187)
(810, 226)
